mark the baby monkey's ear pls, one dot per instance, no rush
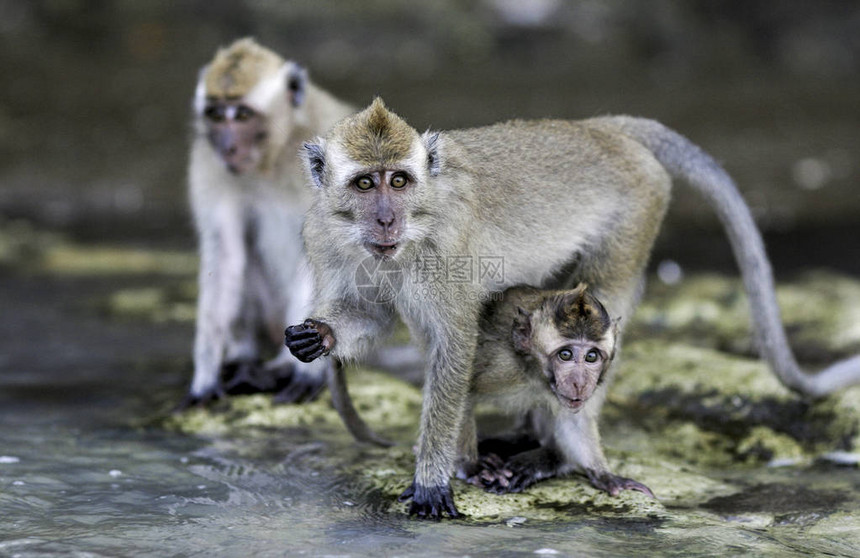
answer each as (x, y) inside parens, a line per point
(521, 333)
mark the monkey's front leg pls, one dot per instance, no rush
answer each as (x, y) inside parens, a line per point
(442, 416)
(223, 260)
(577, 438)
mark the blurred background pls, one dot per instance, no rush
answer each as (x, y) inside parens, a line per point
(98, 265)
(95, 102)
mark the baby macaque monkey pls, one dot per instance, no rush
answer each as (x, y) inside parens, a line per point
(545, 355)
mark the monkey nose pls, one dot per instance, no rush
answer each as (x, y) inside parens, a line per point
(387, 223)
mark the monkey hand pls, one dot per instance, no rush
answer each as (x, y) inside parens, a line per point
(309, 340)
(613, 484)
(430, 502)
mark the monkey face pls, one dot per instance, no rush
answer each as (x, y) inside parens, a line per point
(237, 133)
(381, 202)
(372, 173)
(572, 338)
(574, 371)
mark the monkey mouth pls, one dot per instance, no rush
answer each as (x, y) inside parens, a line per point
(572, 404)
(384, 249)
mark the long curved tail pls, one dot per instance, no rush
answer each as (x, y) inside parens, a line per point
(685, 160)
(343, 404)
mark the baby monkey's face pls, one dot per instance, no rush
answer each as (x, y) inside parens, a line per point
(573, 339)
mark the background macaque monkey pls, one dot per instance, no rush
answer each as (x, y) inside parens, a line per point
(545, 355)
(252, 112)
(559, 202)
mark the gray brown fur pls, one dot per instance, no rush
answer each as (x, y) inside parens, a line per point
(376, 136)
(236, 69)
(578, 314)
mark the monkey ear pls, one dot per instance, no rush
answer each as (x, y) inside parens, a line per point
(431, 143)
(314, 156)
(615, 324)
(200, 91)
(297, 79)
(521, 333)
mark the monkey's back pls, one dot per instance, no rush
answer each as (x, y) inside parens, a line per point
(579, 183)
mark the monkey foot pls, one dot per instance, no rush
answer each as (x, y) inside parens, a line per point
(243, 377)
(489, 471)
(299, 387)
(430, 502)
(200, 400)
(506, 477)
(613, 484)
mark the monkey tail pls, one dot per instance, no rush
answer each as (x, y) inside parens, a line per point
(687, 161)
(343, 404)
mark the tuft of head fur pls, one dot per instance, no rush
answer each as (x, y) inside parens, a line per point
(376, 136)
(238, 68)
(579, 314)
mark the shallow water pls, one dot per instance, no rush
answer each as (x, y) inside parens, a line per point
(87, 468)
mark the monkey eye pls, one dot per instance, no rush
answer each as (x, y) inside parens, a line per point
(364, 183)
(215, 113)
(244, 112)
(398, 181)
(565, 354)
(592, 356)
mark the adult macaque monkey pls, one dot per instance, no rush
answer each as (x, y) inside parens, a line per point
(252, 112)
(559, 201)
(545, 355)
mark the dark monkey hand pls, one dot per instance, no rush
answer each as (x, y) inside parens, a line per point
(309, 340)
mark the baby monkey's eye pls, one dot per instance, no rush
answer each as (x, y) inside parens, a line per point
(565, 354)
(592, 356)
(364, 183)
(398, 181)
